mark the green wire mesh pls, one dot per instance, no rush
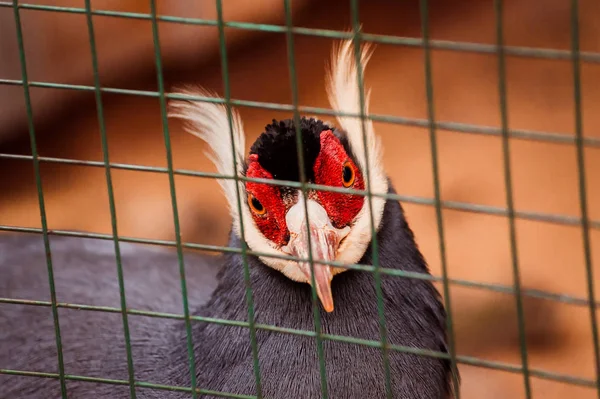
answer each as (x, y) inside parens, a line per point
(111, 198)
(580, 142)
(509, 196)
(303, 186)
(244, 249)
(436, 186)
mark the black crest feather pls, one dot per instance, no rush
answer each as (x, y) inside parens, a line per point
(276, 147)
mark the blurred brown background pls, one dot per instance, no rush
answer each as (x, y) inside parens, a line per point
(540, 97)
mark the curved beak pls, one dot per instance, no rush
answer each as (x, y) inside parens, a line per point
(324, 239)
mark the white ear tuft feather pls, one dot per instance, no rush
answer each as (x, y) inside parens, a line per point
(210, 122)
(343, 91)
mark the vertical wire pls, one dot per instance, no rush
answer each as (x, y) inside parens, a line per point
(111, 197)
(424, 8)
(374, 245)
(244, 247)
(300, 151)
(509, 194)
(585, 222)
(42, 205)
(169, 155)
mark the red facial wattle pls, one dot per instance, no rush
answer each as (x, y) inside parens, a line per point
(271, 223)
(329, 171)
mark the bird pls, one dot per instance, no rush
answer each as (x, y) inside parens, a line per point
(275, 230)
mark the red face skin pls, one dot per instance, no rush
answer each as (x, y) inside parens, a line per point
(272, 223)
(328, 170)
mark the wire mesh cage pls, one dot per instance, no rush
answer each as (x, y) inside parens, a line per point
(501, 51)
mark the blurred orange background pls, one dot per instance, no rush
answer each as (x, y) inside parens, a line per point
(540, 97)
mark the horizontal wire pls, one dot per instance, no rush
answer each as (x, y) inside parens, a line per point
(453, 205)
(517, 51)
(468, 360)
(532, 135)
(500, 288)
(111, 381)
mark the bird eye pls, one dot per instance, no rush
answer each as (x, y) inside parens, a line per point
(347, 175)
(255, 205)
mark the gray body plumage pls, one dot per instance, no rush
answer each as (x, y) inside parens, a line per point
(93, 342)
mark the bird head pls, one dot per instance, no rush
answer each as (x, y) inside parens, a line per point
(338, 226)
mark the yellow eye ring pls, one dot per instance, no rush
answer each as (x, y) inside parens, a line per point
(348, 174)
(255, 205)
